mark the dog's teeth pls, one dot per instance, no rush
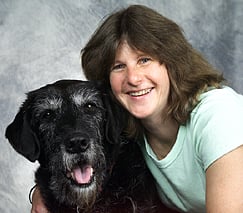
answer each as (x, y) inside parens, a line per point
(72, 175)
(69, 174)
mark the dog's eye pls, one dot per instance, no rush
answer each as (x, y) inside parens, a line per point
(47, 115)
(90, 106)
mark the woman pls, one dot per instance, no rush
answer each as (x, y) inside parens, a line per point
(186, 121)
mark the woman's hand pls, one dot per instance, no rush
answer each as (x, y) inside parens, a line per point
(37, 202)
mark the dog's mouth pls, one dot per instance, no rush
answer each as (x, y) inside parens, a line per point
(81, 175)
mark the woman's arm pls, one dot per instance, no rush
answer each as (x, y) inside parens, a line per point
(224, 188)
(37, 202)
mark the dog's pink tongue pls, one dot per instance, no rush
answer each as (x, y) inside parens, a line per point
(83, 175)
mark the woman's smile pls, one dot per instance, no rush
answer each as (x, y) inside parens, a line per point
(140, 92)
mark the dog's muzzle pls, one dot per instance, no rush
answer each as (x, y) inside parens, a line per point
(78, 164)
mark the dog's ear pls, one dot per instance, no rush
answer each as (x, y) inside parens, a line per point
(21, 136)
(116, 118)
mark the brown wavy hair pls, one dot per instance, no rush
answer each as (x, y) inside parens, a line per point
(148, 31)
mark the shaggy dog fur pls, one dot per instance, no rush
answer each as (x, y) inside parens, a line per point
(74, 130)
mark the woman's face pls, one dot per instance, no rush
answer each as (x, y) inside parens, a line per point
(139, 82)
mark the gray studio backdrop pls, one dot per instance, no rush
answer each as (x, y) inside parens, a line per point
(40, 42)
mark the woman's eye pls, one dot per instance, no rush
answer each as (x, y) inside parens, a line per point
(144, 60)
(118, 67)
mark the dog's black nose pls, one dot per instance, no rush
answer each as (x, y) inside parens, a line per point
(77, 145)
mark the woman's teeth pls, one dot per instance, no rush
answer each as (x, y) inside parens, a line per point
(141, 92)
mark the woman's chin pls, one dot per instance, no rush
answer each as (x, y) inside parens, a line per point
(139, 114)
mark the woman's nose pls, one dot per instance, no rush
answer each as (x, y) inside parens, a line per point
(133, 76)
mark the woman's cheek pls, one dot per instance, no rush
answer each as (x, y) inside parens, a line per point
(115, 84)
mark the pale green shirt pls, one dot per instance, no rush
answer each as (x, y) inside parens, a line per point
(215, 128)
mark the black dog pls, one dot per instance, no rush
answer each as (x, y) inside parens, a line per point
(74, 130)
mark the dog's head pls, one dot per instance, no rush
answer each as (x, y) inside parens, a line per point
(73, 130)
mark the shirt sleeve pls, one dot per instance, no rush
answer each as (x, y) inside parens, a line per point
(217, 125)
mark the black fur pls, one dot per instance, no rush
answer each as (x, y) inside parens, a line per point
(72, 124)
